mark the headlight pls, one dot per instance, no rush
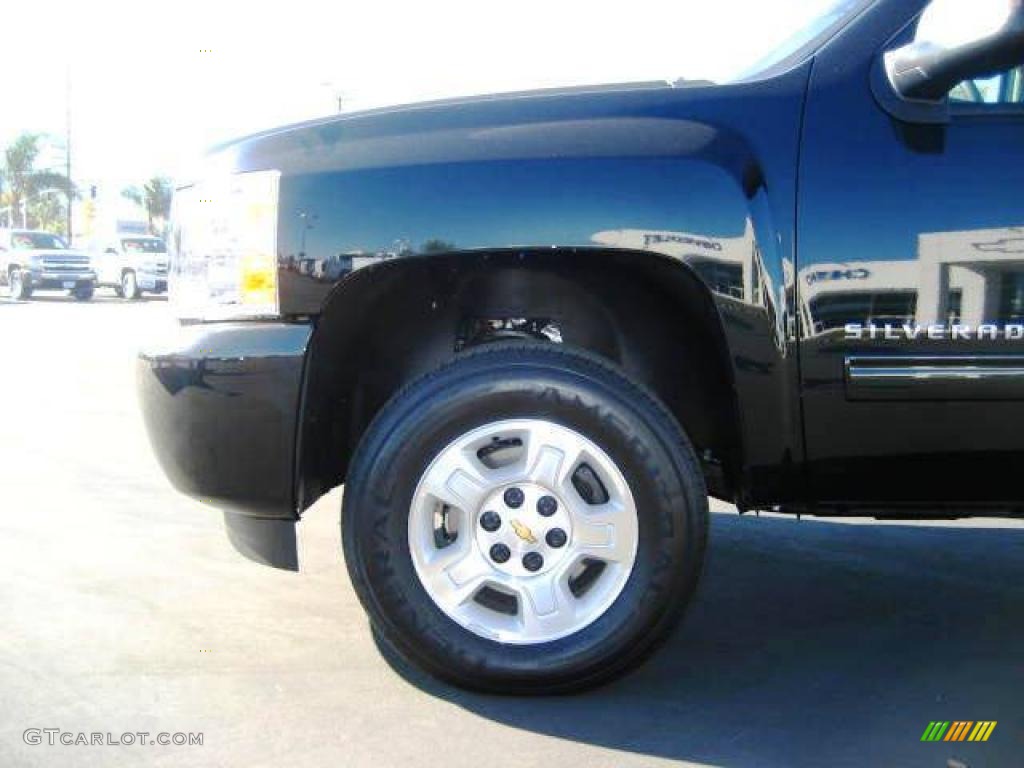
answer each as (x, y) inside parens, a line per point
(223, 248)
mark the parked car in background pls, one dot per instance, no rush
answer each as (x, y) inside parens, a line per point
(131, 264)
(31, 260)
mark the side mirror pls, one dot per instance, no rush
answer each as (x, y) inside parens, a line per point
(947, 52)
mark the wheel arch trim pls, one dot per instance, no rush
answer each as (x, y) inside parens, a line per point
(353, 296)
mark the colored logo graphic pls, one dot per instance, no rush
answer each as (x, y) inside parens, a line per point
(960, 730)
(524, 532)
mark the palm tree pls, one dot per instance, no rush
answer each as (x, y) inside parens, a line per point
(23, 184)
(48, 211)
(156, 196)
(132, 193)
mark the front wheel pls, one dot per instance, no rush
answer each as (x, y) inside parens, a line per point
(130, 286)
(83, 291)
(19, 289)
(526, 519)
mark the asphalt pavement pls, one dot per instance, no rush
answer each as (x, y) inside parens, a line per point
(125, 610)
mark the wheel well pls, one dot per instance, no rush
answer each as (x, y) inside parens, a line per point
(385, 325)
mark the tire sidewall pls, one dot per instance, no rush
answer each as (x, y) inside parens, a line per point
(129, 292)
(17, 285)
(406, 439)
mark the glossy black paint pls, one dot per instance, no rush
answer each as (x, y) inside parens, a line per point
(930, 213)
(668, 174)
(220, 404)
(762, 199)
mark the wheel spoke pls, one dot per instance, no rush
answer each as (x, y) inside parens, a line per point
(545, 603)
(468, 574)
(546, 466)
(458, 480)
(550, 457)
(453, 579)
(600, 532)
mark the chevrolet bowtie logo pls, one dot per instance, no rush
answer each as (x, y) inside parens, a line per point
(523, 532)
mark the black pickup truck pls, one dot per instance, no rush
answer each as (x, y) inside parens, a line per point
(531, 333)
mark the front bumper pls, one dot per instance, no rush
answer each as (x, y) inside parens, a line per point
(57, 281)
(221, 402)
(152, 282)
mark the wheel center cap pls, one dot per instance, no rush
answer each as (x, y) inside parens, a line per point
(523, 529)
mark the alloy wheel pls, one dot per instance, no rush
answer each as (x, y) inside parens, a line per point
(523, 531)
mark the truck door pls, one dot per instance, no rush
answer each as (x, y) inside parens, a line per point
(917, 230)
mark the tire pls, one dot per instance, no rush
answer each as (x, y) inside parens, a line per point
(17, 288)
(628, 456)
(83, 292)
(129, 286)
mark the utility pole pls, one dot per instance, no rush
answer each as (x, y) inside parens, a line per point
(308, 222)
(339, 95)
(68, 153)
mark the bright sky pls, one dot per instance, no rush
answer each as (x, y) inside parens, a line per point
(154, 83)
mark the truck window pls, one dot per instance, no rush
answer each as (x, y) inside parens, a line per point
(28, 241)
(1004, 88)
(836, 310)
(1011, 297)
(142, 245)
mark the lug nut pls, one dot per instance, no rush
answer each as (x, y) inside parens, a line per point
(490, 521)
(547, 506)
(514, 497)
(500, 553)
(532, 561)
(556, 538)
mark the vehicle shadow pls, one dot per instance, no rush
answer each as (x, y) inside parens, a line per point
(99, 298)
(815, 643)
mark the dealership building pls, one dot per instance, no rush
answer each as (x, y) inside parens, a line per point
(968, 277)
